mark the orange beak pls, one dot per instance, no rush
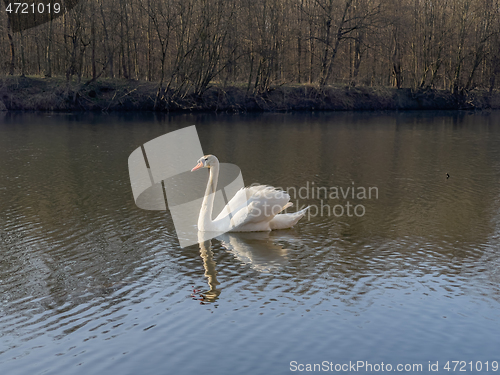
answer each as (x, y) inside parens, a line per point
(198, 166)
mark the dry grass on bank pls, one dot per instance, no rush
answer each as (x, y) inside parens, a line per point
(55, 94)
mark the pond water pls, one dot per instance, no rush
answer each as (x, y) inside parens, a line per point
(407, 274)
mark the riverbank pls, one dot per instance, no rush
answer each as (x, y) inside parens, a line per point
(55, 94)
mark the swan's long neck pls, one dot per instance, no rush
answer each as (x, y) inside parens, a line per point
(205, 218)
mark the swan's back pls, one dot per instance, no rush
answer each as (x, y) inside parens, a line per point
(263, 204)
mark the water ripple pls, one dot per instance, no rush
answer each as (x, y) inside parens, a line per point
(81, 265)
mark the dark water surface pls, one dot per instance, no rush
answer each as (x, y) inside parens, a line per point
(91, 284)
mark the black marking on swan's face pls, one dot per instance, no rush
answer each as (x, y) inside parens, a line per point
(207, 160)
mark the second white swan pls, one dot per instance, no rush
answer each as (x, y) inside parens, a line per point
(252, 209)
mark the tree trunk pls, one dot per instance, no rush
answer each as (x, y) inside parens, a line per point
(48, 55)
(12, 64)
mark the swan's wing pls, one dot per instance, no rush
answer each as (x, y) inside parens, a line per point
(240, 200)
(284, 221)
(265, 203)
(262, 203)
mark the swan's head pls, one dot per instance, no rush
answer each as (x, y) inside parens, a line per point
(206, 161)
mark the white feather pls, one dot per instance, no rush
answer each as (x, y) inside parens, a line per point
(254, 208)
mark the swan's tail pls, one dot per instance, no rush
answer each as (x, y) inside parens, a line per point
(289, 204)
(284, 221)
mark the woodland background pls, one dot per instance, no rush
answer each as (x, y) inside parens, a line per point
(186, 46)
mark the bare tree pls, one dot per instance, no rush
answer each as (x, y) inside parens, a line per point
(188, 45)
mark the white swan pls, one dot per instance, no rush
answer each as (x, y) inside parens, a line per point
(263, 204)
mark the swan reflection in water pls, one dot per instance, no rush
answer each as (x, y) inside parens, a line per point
(259, 250)
(209, 264)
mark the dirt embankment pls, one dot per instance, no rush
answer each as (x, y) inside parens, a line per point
(39, 94)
